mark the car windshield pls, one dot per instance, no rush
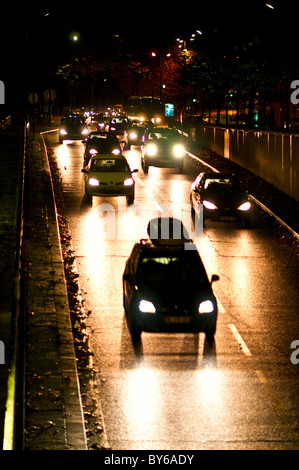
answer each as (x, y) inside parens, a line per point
(174, 269)
(72, 122)
(109, 165)
(223, 185)
(100, 139)
(163, 135)
(119, 120)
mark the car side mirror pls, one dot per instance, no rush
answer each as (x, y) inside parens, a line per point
(83, 170)
(214, 278)
(135, 171)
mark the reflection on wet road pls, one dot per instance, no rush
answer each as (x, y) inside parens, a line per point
(176, 391)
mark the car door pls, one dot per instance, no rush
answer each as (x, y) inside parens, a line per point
(129, 278)
(196, 192)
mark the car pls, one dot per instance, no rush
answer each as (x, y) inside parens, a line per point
(72, 128)
(118, 125)
(162, 147)
(165, 284)
(222, 197)
(100, 143)
(109, 175)
(133, 135)
(93, 121)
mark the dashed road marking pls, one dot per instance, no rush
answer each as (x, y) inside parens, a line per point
(240, 340)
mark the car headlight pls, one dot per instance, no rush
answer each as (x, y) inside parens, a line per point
(178, 151)
(133, 135)
(93, 151)
(245, 206)
(63, 132)
(209, 205)
(116, 151)
(206, 307)
(129, 182)
(85, 131)
(93, 182)
(145, 306)
(151, 150)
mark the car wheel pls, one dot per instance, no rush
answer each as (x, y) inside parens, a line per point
(88, 199)
(210, 334)
(135, 335)
(130, 199)
(145, 167)
(135, 331)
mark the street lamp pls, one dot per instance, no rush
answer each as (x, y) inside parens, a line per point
(74, 36)
(161, 63)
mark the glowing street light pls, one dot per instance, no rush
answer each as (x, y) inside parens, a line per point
(74, 36)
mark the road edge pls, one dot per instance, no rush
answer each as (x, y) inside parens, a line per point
(74, 416)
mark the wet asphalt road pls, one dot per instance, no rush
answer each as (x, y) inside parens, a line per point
(176, 391)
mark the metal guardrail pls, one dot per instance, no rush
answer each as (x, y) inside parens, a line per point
(13, 435)
(5, 122)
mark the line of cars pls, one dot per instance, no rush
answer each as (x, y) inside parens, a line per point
(165, 284)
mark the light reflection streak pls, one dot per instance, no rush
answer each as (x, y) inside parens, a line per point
(142, 397)
(208, 385)
(63, 156)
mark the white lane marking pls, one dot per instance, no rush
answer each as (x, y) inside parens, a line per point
(148, 192)
(270, 390)
(158, 206)
(240, 340)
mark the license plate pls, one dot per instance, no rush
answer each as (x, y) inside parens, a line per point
(177, 320)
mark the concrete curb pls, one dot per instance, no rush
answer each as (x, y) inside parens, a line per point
(54, 417)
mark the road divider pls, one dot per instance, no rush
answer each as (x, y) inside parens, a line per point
(254, 199)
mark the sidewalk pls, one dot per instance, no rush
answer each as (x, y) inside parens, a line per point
(53, 408)
(11, 150)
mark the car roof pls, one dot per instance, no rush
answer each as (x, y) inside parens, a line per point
(214, 175)
(108, 156)
(169, 245)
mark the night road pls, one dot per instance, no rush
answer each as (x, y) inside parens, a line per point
(175, 391)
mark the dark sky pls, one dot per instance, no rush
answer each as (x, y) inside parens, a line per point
(149, 22)
(144, 25)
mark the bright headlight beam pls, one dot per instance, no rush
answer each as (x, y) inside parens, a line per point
(145, 306)
(178, 150)
(245, 206)
(209, 205)
(206, 307)
(129, 182)
(151, 150)
(133, 135)
(93, 182)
